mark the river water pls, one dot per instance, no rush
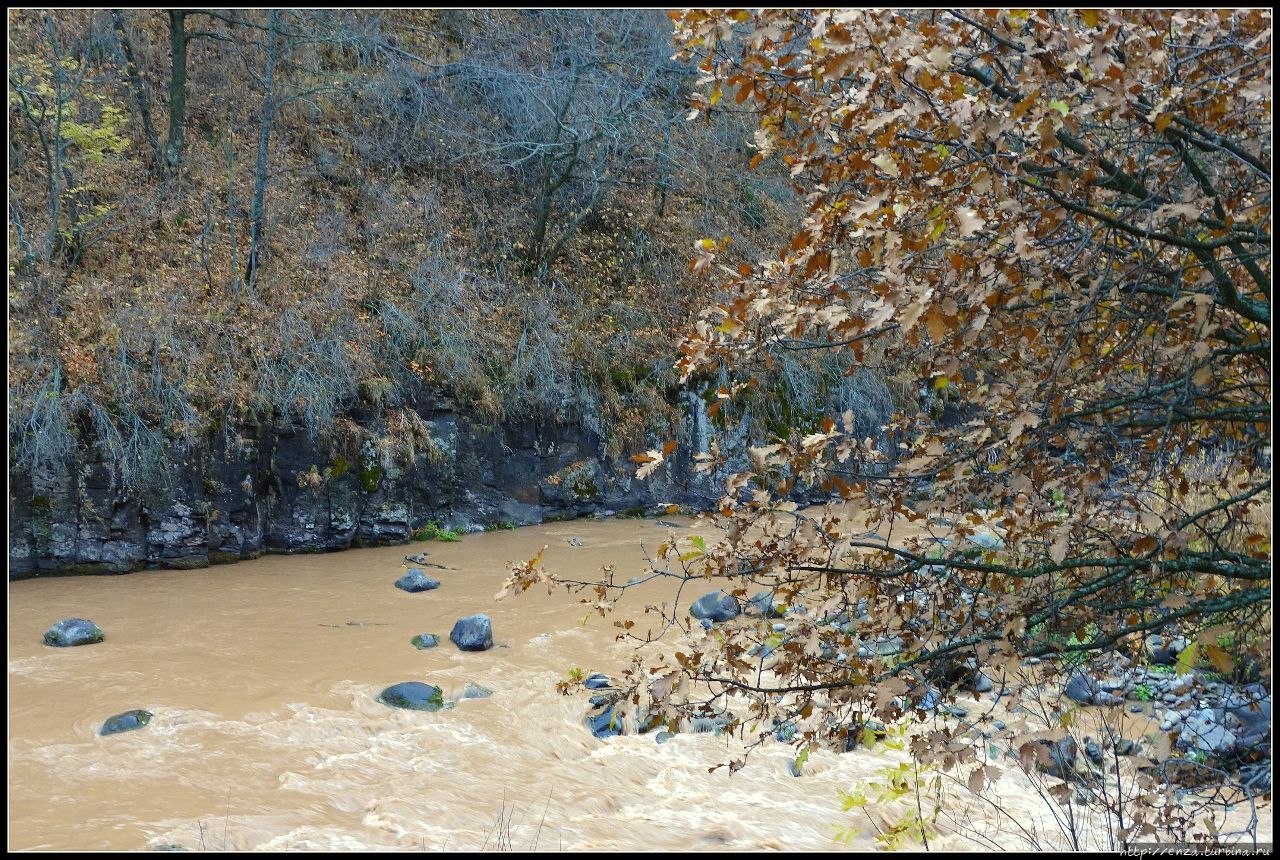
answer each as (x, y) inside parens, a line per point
(263, 675)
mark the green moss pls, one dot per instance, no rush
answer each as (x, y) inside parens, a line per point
(97, 568)
(434, 531)
(339, 467)
(41, 504)
(218, 556)
(190, 562)
(584, 489)
(370, 477)
(500, 525)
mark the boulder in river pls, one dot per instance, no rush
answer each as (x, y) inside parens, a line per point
(605, 724)
(1061, 759)
(126, 722)
(413, 695)
(73, 631)
(473, 633)
(415, 580)
(714, 606)
(597, 681)
(1086, 690)
(423, 641)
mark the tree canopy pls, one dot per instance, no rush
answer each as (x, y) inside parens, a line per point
(1059, 222)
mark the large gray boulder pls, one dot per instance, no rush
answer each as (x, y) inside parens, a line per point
(73, 631)
(715, 606)
(1085, 689)
(473, 633)
(415, 580)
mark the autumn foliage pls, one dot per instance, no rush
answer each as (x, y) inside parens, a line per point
(1059, 222)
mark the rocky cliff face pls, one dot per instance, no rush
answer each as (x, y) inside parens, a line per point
(253, 489)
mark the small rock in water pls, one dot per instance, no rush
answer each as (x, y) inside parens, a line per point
(1127, 747)
(575, 541)
(414, 696)
(663, 737)
(981, 683)
(415, 581)
(473, 633)
(475, 691)
(1093, 751)
(987, 540)
(73, 631)
(126, 722)
(423, 641)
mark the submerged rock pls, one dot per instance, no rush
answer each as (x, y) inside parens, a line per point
(423, 641)
(714, 606)
(126, 722)
(413, 695)
(475, 691)
(73, 631)
(415, 581)
(473, 633)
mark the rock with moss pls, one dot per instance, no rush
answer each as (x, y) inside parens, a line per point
(415, 581)
(472, 633)
(423, 641)
(73, 631)
(126, 722)
(414, 696)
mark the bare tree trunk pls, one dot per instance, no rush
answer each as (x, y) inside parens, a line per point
(177, 87)
(55, 164)
(139, 91)
(264, 138)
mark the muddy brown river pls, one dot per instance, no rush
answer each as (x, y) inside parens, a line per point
(267, 734)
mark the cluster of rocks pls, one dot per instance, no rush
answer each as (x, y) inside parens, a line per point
(470, 633)
(606, 718)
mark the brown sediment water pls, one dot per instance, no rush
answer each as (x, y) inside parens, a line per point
(267, 734)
